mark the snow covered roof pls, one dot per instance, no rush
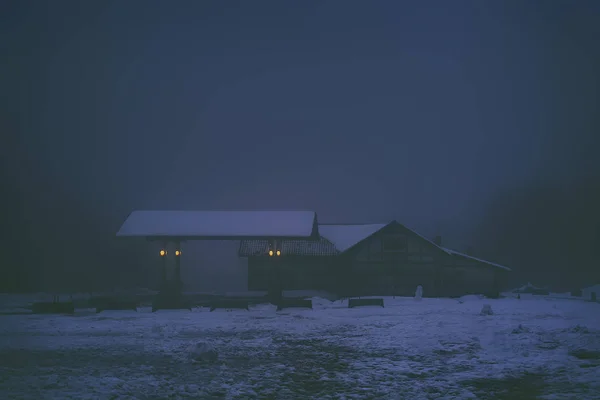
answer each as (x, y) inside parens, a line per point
(220, 224)
(456, 253)
(338, 239)
(346, 236)
(335, 239)
(445, 250)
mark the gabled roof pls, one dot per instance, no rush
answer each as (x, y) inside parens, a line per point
(458, 254)
(220, 224)
(429, 241)
(345, 236)
(361, 232)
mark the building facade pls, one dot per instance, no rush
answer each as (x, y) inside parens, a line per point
(371, 259)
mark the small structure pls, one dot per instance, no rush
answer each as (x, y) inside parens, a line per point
(172, 228)
(591, 293)
(294, 303)
(365, 303)
(531, 289)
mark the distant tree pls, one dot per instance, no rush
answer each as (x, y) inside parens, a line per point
(550, 234)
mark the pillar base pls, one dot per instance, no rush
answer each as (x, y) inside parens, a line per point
(171, 298)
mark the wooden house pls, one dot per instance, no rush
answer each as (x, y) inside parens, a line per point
(371, 259)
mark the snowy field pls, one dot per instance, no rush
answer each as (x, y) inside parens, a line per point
(535, 347)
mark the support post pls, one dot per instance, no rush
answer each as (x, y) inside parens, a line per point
(163, 267)
(170, 296)
(276, 286)
(275, 254)
(177, 281)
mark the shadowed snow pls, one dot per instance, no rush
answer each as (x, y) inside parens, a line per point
(435, 348)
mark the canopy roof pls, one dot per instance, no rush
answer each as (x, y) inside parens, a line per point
(220, 225)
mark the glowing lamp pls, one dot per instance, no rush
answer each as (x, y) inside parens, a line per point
(162, 253)
(278, 252)
(177, 253)
(271, 253)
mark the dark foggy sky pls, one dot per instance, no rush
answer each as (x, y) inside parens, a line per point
(361, 111)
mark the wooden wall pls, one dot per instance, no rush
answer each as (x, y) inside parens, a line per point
(297, 272)
(464, 276)
(392, 262)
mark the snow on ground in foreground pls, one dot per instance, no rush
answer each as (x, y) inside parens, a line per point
(433, 348)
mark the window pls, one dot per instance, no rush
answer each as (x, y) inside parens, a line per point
(394, 243)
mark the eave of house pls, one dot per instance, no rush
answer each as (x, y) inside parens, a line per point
(462, 255)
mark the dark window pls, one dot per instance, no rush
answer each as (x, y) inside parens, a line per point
(394, 243)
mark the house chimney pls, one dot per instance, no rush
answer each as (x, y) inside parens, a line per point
(437, 240)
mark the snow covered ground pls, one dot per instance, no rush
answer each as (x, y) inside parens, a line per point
(535, 347)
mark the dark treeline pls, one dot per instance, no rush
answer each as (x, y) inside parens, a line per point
(52, 242)
(548, 233)
(53, 237)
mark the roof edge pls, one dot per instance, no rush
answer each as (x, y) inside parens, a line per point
(367, 237)
(459, 254)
